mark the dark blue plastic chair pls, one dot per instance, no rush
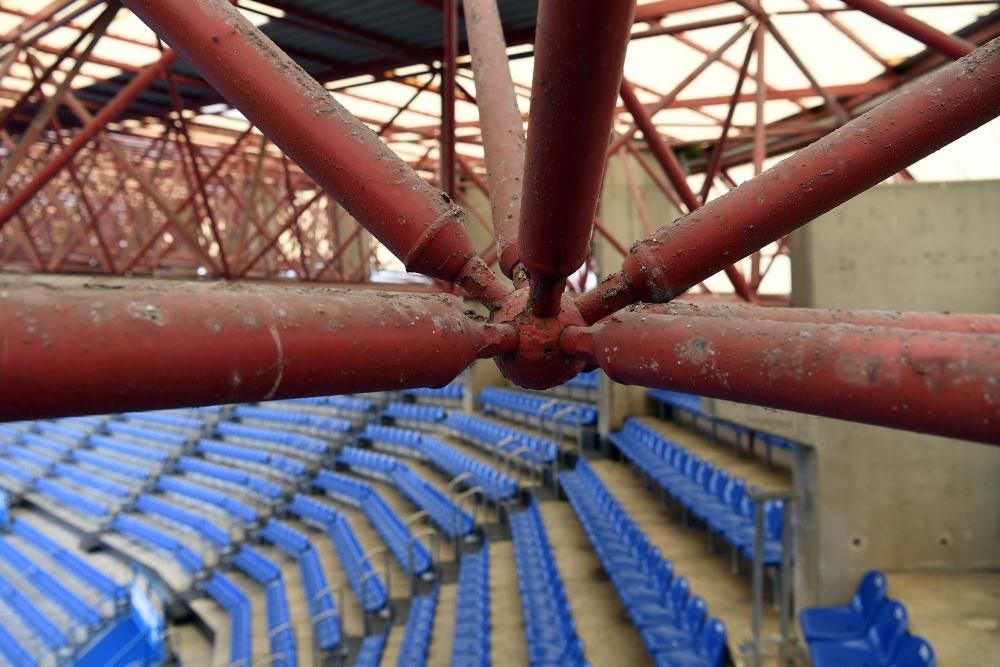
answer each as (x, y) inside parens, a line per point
(913, 651)
(850, 620)
(876, 647)
(710, 650)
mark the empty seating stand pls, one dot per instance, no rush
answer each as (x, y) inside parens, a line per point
(268, 575)
(289, 442)
(236, 603)
(451, 519)
(402, 441)
(411, 555)
(231, 454)
(368, 587)
(561, 415)
(548, 621)
(353, 409)
(870, 630)
(417, 635)
(322, 611)
(501, 440)
(708, 493)
(152, 538)
(672, 624)
(471, 643)
(327, 427)
(414, 414)
(371, 649)
(449, 396)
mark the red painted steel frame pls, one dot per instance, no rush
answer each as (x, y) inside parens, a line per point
(500, 118)
(579, 55)
(916, 122)
(418, 223)
(934, 382)
(71, 347)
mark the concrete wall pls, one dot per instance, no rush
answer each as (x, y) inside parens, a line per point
(619, 213)
(875, 497)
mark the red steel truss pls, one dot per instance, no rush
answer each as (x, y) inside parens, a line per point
(163, 194)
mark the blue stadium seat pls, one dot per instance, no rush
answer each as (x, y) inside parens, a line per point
(850, 620)
(489, 434)
(208, 530)
(259, 485)
(417, 635)
(157, 539)
(216, 448)
(414, 413)
(532, 405)
(876, 647)
(471, 643)
(548, 622)
(75, 566)
(234, 601)
(913, 651)
(370, 651)
(268, 575)
(241, 511)
(709, 651)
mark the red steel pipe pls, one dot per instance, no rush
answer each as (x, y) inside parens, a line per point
(949, 45)
(123, 99)
(932, 382)
(418, 223)
(579, 56)
(916, 122)
(449, 10)
(892, 319)
(500, 119)
(86, 346)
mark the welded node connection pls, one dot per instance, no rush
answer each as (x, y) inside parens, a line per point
(538, 362)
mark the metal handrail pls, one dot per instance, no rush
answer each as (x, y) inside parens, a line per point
(435, 549)
(498, 448)
(471, 492)
(541, 413)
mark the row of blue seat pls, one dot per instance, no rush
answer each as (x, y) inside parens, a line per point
(495, 485)
(323, 612)
(691, 405)
(146, 434)
(417, 635)
(236, 603)
(369, 589)
(710, 493)
(452, 391)
(218, 450)
(36, 621)
(451, 519)
(239, 510)
(548, 621)
(471, 643)
(406, 413)
(489, 435)
(301, 445)
(264, 487)
(346, 405)
(279, 626)
(536, 406)
(870, 630)
(167, 419)
(371, 649)
(412, 556)
(77, 568)
(215, 535)
(328, 427)
(672, 624)
(156, 539)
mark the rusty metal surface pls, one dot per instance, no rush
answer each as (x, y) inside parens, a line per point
(419, 223)
(73, 346)
(932, 382)
(946, 105)
(500, 118)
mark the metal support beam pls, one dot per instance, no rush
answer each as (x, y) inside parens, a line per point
(578, 70)
(418, 223)
(500, 118)
(927, 381)
(919, 120)
(88, 347)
